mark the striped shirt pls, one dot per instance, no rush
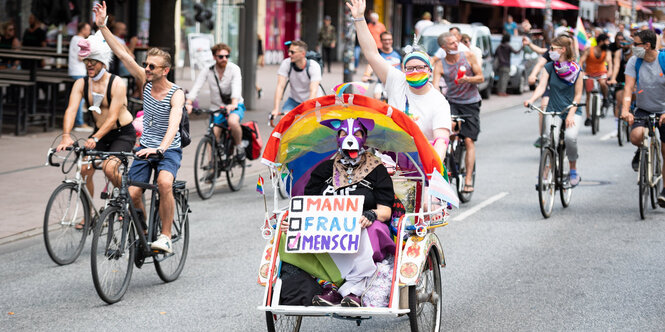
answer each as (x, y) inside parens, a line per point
(156, 119)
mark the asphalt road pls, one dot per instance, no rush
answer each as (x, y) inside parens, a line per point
(592, 266)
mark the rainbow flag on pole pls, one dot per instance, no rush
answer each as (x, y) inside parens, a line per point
(259, 185)
(580, 33)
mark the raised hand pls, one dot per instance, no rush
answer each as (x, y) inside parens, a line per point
(357, 8)
(100, 13)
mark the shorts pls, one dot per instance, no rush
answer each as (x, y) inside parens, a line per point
(289, 104)
(643, 123)
(141, 170)
(220, 119)
(588, 83)
(471, 126)
(117, 140)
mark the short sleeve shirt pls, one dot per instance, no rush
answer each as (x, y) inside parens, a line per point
(299, 80)
(651, 87)
(561, 93)
(430, 111)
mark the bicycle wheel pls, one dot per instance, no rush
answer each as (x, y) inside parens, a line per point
(235, 170)
(112, 255)
(66, 208)
(279, 323)
(595, 116)
(621, 131)
(565, 189)
(205, 168)
(655, 174)
(546, 183)
(425, 298)
(643, 183)
(169, 266)
(464, 197)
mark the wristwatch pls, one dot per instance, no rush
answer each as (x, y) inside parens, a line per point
(95, 139)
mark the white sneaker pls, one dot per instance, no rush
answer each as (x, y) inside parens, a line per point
(163, 243)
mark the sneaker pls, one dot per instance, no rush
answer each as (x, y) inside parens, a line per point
(83, 128)
(351, 300)
(330, 297)
(661, 199)
(587, 122)
(240, 155)
(541, 141)
(574, 178)
(162, 243)
(635, 163)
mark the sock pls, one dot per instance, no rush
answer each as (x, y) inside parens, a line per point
(239, 148)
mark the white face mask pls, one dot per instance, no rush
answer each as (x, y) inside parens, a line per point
(639, 52)
(554, 55)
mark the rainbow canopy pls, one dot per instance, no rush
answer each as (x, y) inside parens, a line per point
(300, 143)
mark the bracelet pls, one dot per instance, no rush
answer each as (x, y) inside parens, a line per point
(370, 215)
(105, 21)
(358, 19)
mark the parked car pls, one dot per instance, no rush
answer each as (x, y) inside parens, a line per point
(521, 63)
(480, 36)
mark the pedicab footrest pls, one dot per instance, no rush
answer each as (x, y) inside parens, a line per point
(335, 310)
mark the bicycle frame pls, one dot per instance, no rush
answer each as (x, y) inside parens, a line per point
(650, 142)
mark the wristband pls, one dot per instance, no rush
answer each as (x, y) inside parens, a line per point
(105, 21)
(358, 19)
(370, 215)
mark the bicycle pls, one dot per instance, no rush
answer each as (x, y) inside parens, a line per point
(122, 239)
(456, 161)
(553, 157)
(69, 205)
(649, 178)
(214, 157)
(595, 105)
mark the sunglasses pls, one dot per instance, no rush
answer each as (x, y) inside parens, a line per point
(638, 44)
(223, 56)
(151, 66)
(410, 69)
(552, 48)
(90, 62)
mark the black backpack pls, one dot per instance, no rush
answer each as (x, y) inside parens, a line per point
(185, 137)
(313, 55)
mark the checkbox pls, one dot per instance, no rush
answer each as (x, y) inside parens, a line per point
(297, 204)
(295, 224)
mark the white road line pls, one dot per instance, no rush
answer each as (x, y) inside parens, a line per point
(478, 207)
(609, 136)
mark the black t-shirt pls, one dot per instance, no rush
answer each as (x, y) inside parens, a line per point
(34, 38)
(381, 191)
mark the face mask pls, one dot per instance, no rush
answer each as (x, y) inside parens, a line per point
(417, 79)
(604, 47)
(639, 52)
(554, 55)
(453, 52)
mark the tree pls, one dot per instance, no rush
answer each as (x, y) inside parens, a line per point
(162, 29)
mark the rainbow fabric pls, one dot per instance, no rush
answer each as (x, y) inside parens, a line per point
(339, 89)
(417, 79)
(259, 185)
(580, 32)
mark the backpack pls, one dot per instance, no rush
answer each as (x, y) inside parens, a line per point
(638, 64)
(251, 140)
(313, 55)
(185, 137)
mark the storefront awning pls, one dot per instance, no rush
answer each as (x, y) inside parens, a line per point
(641, 5)
(653, 3)
(556, 4)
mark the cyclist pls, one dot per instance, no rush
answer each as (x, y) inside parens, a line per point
(225, 82)
(163, 104)
(463, 96)
(598, 61)
(390, 54)
(620, 57)
(649, 98)
(409, 90)
(302, 74)
(562, 76)
(113, 123)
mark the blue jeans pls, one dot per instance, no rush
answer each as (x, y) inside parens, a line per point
(289, 104)
(79, 114)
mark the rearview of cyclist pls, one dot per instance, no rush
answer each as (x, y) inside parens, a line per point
(225, 82)
(595, 61)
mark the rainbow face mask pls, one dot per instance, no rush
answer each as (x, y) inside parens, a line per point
(417, 79)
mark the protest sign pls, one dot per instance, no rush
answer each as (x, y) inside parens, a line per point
(319, 224)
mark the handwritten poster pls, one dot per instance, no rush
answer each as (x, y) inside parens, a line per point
(319, 224)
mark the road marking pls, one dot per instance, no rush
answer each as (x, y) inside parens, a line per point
(478, 207)
(609, 136)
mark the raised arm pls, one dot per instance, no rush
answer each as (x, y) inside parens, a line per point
(118, 49)
(366, 41)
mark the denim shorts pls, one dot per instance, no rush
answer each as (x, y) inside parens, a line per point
(289, 104)
(220, 119)
(141, 170)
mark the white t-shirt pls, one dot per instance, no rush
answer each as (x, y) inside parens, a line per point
(431, 110)
(421, 25)
(74, 66)
(299, 80)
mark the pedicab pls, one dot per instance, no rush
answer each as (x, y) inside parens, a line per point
(299, 143)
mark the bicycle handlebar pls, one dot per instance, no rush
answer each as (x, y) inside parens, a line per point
(532, 107)
(271, 117)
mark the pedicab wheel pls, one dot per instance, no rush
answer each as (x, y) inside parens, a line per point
(425, 298)
(235, 172)
(282, 323)
(169, 266)
(112, 254)
(65, 209)
(205, 168)
(643, 183)
(565, 190)
(546, 185)
(464, 196)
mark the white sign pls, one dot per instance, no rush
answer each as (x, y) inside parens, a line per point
(320, 224)
(200, 56)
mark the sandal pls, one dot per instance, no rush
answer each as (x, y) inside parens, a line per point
(80, 226)
(467, 191)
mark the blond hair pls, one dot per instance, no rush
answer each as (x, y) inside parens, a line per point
(162, 54)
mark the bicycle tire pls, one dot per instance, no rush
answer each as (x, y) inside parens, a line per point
(563, 179)
(235, 169)
(621, 131)
(112, 253)
(62, 240)
(205, 161)
(282, 323)
(643, 185)
(169, 266)
(460, 159)
(595, 117)
(546, 183)
(656, 170)
(425, 295)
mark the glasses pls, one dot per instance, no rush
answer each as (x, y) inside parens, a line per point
(387, 39)
(410, 69)
(151, 66)
(552, 48)
(638, 44)
(223, 56)
(292, 52)
(91, 62)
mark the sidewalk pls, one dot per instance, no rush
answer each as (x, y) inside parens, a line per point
(27, 183)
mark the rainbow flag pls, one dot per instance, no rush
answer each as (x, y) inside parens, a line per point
(259, 185)
(440, 188)
(339, 89)
(580, 32)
